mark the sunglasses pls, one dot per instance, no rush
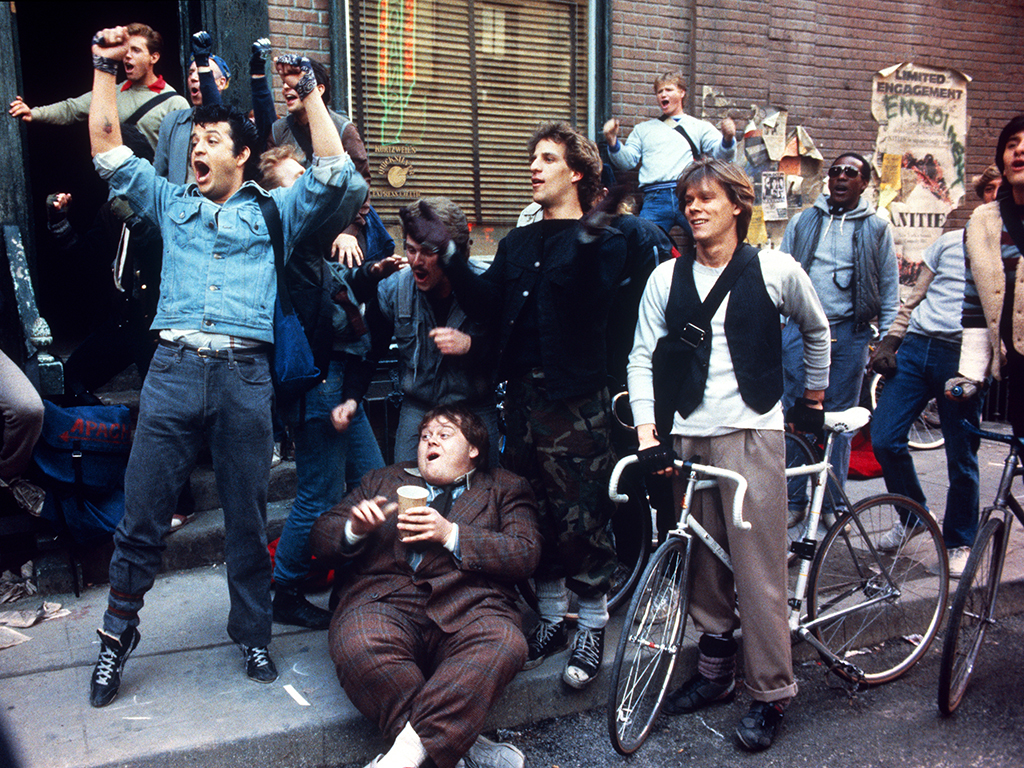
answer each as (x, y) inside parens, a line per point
(843, 170)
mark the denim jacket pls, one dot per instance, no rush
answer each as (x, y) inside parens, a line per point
(218, 261)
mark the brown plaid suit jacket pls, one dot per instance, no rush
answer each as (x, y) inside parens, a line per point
(498, 540)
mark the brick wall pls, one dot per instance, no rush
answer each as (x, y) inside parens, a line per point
(299, 26)
(816, 59)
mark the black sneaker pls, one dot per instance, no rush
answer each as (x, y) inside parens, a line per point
(585, 661)
(545, 640)
(258, 664)
(758, 729)
(696, 693)
(292, 607)
(106, 675)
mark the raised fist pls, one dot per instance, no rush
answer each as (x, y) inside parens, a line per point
(202, 45)
(259, 56)
(297, 71)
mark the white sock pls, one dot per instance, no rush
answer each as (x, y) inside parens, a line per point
(552, 600)
(593, 612)
(406, 752)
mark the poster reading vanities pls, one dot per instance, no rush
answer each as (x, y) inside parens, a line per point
(922, 132)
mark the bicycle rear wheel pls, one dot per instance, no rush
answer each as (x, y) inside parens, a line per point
(648, 647)
(878, 611)
(800, 491)
(972, 613)
(799, 453)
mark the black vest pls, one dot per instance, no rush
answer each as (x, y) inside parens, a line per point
(754, 334)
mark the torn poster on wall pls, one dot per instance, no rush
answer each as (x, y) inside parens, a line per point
(920, 152)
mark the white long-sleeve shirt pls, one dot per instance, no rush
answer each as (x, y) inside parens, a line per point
(723, 410)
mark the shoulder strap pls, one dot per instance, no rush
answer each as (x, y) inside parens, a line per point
(272, 216)
(142, 110)
(678, 127)
(740, 259)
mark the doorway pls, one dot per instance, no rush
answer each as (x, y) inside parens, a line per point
(53, 40)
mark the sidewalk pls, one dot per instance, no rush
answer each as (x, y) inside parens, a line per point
(185, 700)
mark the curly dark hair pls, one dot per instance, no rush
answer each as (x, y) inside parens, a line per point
(581, 155)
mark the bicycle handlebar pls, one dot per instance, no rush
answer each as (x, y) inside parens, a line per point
(704, 469)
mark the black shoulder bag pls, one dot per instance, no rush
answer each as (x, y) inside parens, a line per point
(130, 132)
(678, 128)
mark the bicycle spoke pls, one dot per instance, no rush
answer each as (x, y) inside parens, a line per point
(878, 609)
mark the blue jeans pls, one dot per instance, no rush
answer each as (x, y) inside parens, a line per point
(662, 207)
(184, 398)
(845, 376)
(322, 457)
(924, 365)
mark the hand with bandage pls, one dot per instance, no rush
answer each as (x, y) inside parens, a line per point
(109, 47)
(428, 230)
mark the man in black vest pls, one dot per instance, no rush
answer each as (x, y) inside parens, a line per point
(710, 376)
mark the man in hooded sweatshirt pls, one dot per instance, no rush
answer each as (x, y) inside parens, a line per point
(849, 254)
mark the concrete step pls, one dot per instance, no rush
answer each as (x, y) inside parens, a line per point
(185, 700)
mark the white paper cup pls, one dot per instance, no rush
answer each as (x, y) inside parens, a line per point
(410, 496)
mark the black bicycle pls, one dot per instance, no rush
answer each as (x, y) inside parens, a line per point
(974, 605)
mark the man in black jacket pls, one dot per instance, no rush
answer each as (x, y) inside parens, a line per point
(550, 288)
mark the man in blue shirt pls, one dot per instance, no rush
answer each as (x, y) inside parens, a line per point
(210, 375)
(665, 147)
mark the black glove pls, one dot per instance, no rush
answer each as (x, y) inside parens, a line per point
(202, 44)
(428, 230)
(883, 360)
(598, 218)
(805, 418)
(55, 215)
(307, 82)
(102, 63)
(259, 56)
(651, 460)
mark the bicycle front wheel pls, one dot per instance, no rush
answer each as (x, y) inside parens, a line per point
(878, 611)
(972, 613)
(648, 647)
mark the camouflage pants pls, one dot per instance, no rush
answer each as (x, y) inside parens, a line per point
(563, 448)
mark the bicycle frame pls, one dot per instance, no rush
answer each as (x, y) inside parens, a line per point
(686, 527)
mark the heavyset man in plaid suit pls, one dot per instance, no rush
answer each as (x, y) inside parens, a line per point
(427, 634)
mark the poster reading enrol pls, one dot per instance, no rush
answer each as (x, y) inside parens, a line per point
(922, 129)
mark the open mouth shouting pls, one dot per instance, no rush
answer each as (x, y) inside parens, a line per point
(201, 171)
(291, 98)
